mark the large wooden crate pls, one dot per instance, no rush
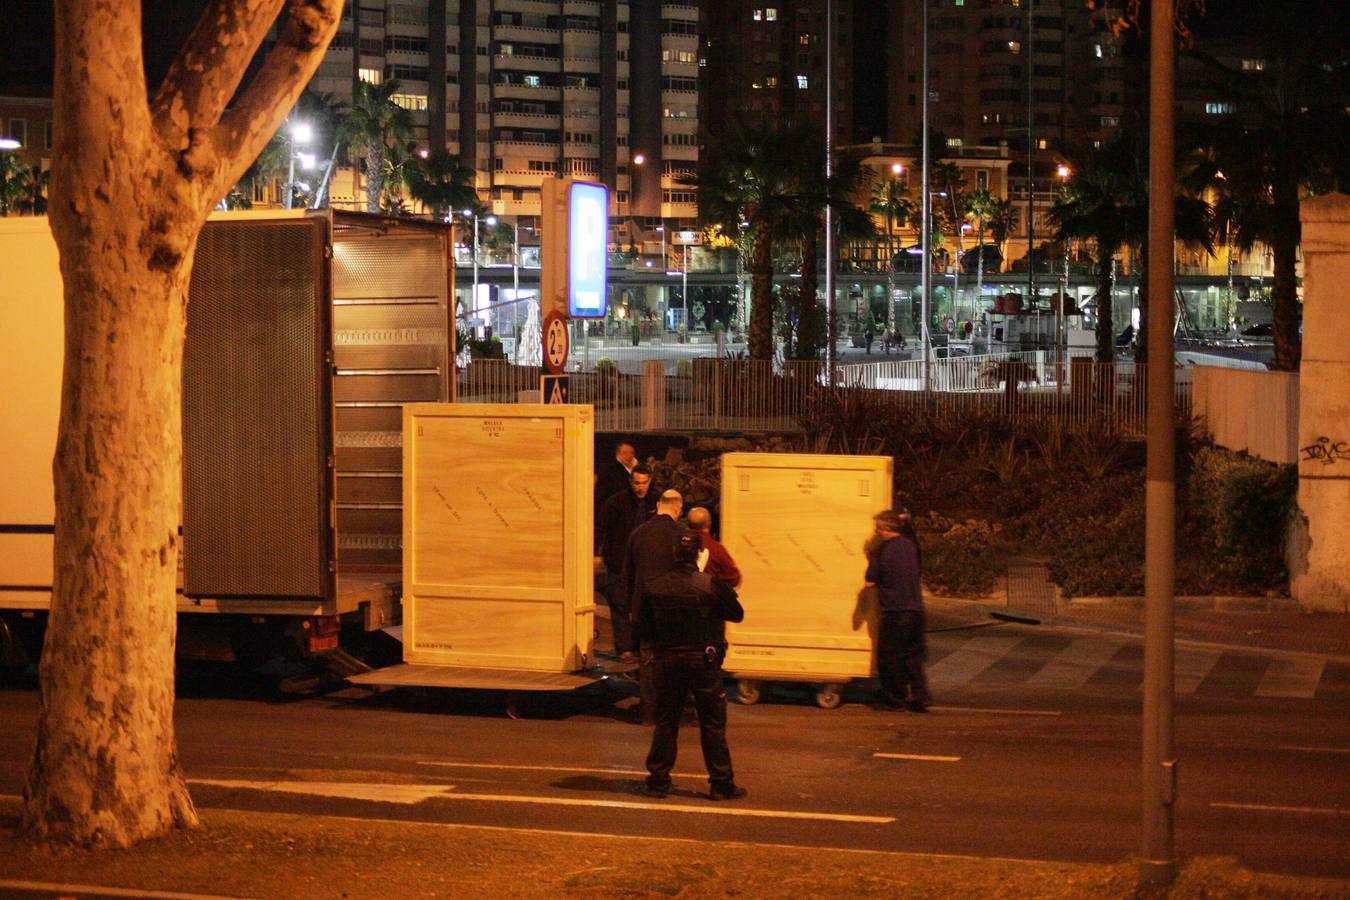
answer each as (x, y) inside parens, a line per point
(497, 535)
(796, 525)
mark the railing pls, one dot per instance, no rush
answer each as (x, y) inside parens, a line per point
(736, 395)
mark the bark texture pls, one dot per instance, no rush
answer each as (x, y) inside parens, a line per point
(132, 184)
(760, 337)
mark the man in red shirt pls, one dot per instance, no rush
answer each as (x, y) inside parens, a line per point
(718, 562)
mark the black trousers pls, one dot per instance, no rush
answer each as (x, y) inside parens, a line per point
(620, 612)
(673, 676)
(901, 649)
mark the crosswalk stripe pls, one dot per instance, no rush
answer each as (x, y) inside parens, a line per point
(1292, 676)
(970, 659)
(1075, 664)
(1192, 664)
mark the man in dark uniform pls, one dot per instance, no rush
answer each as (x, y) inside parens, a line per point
(621, 515)
(679, 626)
(613, 474)
(893, 568)
(651, 545)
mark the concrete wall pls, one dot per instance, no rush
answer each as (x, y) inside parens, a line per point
(1321, 556)
(1251, 410)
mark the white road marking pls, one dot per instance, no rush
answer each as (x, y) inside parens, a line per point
(406, 794)
(1315, 749)
(712, 809)
(1262, 807)
(1192, 665)
(970, 659)
(75, 889)
(1292, 676)
(641, 773)
(1000, 712)
(917, 756)
(1075, 664)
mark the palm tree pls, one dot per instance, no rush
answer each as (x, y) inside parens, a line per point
(891, 199)
(1286, 141)
(442, 183)
(375, 124)
(1106, 202)
(750, 186)
(982, 206)
(14, 175)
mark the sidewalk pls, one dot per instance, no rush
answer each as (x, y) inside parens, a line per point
(1274, 625)
(248, 854)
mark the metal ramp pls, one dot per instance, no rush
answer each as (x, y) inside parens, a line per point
(1032, 596)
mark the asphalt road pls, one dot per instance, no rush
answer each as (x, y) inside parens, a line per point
(1031, 751)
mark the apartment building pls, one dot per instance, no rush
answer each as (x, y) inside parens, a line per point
(761, 58)
(524, 89)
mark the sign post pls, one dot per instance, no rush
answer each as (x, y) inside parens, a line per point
(573, 282)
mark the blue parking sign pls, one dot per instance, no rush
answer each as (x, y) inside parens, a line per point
(587, 250)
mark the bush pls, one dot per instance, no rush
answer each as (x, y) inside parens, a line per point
(1104, 556)
(1238, 511)
(605, 368)
(964, 561)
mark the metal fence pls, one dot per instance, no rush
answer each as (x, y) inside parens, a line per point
(738, 395)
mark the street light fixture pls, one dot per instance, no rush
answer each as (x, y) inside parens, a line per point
(300, 135)
(7, 143)
(1064, 173)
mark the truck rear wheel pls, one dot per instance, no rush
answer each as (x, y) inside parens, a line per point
(747, 691)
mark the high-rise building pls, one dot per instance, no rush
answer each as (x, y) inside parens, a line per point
(768, 58)
(993, 64)
(524, 89)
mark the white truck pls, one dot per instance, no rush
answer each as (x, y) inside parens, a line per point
(307, 331)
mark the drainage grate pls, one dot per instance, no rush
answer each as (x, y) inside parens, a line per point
(1030, 591)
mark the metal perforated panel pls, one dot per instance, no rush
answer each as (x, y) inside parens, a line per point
(256, 416)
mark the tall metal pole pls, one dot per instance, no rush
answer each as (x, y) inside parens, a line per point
(287, 201)
(515, 281)
(684, 293)
(1157, 857)
(926, 210)
(473, 303)
(831, 337)
(1031, 161)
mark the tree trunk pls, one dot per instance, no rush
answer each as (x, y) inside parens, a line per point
(808, 307)
(374, 176)
(133, 182)
(1285, 238)
(760, 339)
(1106, 335)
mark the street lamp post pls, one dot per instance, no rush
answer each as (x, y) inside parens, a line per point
(491, 220)
(300, 134)
(1064, 173)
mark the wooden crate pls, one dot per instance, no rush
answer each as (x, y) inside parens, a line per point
(497, 535)
(796, 525)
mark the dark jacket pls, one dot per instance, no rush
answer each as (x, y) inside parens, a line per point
(685, 609)
(622, 513)
(894, 569)
(651, 552)
(611, 478)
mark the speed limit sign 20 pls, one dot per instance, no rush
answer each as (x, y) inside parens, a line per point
(555, 342)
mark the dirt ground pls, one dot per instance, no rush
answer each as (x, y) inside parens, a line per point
(246, 854)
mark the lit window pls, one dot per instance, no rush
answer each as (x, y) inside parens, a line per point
(1015, 46)
(370, 76)
(1220, 109)
(757, 15)
(771, 14)
(1253, 65)
(802, 83)
(957, 142)
(771, 81)
(755, 85)
(414, 102)
(1042, 144)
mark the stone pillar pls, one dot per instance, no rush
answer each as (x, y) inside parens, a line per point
(1320, 553)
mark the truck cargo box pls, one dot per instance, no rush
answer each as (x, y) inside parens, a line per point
(796, 525)
(497, 565)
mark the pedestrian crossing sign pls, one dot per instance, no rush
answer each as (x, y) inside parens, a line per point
(553, 388)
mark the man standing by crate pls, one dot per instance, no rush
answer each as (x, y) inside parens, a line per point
(613, 475)
(622, 514)
(714, 558)
(893, 568)
(680, 629)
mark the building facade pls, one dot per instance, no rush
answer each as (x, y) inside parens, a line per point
(524, 89)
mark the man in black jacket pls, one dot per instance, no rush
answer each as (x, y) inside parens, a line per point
(651, 546)
(621, 515)
(679, 625)
(613, 474)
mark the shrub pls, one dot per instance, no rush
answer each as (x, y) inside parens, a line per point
(605, 368)
(1239, 507)
(963, 561)
(1104, 556)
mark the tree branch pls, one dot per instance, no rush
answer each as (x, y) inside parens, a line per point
(248, 125)
(207, 70)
